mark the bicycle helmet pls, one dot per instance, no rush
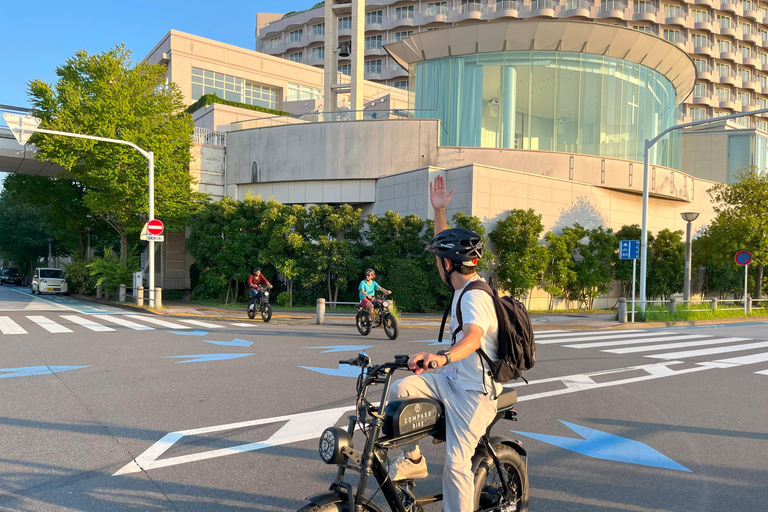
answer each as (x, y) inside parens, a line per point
(459, 245)
(256, 269)
(370, 271)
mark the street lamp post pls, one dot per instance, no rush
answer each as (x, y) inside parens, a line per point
(50, 260)
(88, 251)
(23, 126)
(688, 217)
(649, 143)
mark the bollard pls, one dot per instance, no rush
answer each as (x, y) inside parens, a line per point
(622, 310)
(749, 304)
(320, 311)
(121, 294)
(158, 297)
(713, 304)
(672, 306)
(139, 293)
(98, 291)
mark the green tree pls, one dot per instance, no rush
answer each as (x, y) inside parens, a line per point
(559, 273)
(520, 260)
(622, 269)
(741, 215)
(23, 233)
(473, 223)
(283, 242)
(106, 95)
(593, 254)
(666, 264)
(713, 251)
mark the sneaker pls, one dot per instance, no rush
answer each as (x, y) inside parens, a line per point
(403, 469)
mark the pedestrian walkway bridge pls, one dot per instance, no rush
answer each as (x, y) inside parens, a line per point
(20, 159)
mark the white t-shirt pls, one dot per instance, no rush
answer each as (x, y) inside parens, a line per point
(476, 308)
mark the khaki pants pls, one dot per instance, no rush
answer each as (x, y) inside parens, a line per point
(468, 414)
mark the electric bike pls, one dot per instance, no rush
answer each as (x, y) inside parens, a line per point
(500, 465)
(261, 304)
(382, 316)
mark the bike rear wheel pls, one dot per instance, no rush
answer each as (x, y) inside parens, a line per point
(266, 312)
(363, 322)
(489, 493)
(390, 326)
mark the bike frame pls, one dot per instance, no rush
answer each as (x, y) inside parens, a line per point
(370, 465)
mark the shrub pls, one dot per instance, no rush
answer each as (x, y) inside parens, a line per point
(80, 277)
(283, 299)
(110, 272)
(212, 286)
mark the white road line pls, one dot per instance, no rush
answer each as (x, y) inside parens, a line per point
(8, 326)
(545, 334)
(116, 319)
(764, 372)
(638, 341)
(750, 359)
(49, 325)
(708, 351)
(87, 323)
(202, 324)
(157, 321)
(242, 325)
(669, 346)
(604, 336)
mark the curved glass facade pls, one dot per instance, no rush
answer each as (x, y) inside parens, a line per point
(552, 101)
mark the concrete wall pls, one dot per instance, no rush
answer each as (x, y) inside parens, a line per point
(176, 261)
(343, 150)
(705, 155)
(218, 117)
(207, 168)
(356, 192)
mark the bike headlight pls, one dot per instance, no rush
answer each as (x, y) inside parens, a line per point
(331, 443)
(266, 294)
(386, 303)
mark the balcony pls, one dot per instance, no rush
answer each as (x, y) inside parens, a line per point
(708, 3)
(729, 103)
(315, 38)
(435, 15)
(752, 38)
(708, 100)
(375, 51)
(396, 71)
(728, 55)
(752, 84)
(644, 12)
(298, 43)
(704, 75)
(765, 88)
(678, 20)
(577, 8)
(612, 9)
(732, 7)
(728, 30)
(753, 14)
(704, 24)
(314, 60)
(470, 11)
(539, 9)
(506, 9)
(751, 60)
(704, 50)
(400, 21)
(727, 79)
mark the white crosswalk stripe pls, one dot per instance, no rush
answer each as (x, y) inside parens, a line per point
(709, 351)
(602, 337)
(764, 372)
(157, 321)
(8, 326)
(750, 359)
(573, 334)
(88, 324)
(201, 324)
(117, 319)
(49, 325)
(637, 341)
(670, 346)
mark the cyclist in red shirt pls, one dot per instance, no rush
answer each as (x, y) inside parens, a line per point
(256, 283)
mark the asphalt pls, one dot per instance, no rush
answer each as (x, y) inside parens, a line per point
(575, 320)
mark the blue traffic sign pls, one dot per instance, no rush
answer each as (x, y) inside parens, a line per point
(629, 249)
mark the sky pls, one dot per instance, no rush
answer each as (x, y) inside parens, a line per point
(37, 37)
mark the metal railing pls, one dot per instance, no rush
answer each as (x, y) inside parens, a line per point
(329, 117)
(206, 136)
(7, 109)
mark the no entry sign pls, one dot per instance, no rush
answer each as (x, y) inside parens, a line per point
(743, 258)
(155, 227)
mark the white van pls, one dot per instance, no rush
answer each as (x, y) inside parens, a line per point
(49, 280)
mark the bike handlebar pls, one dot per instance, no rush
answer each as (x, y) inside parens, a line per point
(400, 362)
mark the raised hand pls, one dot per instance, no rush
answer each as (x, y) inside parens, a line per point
(438, 195)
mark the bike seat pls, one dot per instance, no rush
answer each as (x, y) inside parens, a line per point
(507, 399)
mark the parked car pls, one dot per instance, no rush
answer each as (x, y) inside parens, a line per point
(49, 280)
(10, 275)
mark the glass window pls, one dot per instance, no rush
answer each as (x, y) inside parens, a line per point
(298, 92)
(470, 6)
(746, 51)
(435, 8)
(231, 88)
(699, 40)
(723, 94)
(372, 67)
(399, 36)
(700, 91)
(723, 69)
(372, 42)
(746, 28)
(745, 99)
(644, 28)
(401, 84)
(745, 75)
(700, 16)
(345, 69)
(763, 79)
(296, 57)
(642, 7)
(761, 103)
(345, 23)
(762, 125)
(723, 45)
(724, 21)
(318, 29)
(701, 65)
(697, 114)
(296, 35)
(51, 274)
(673, 36)
(373, 18)
(275, 42)
(673, 11)
(317, 53)
(404, 13)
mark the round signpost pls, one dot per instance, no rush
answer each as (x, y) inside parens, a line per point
(155, 227)
(743, 258)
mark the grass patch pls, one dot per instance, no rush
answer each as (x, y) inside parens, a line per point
(242, 305)
(686, 312)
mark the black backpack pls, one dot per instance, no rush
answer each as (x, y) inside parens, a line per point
(517, 348)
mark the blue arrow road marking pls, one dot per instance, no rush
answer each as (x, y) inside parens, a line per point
(189, 333)
(342, 348)
(201, 358)
(343, 371)
(36, 370)
(601, 445)
(237, 342)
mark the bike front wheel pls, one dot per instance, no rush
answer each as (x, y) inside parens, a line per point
(390, 326)
(266, 312)
(489, 493)
(252, 312)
